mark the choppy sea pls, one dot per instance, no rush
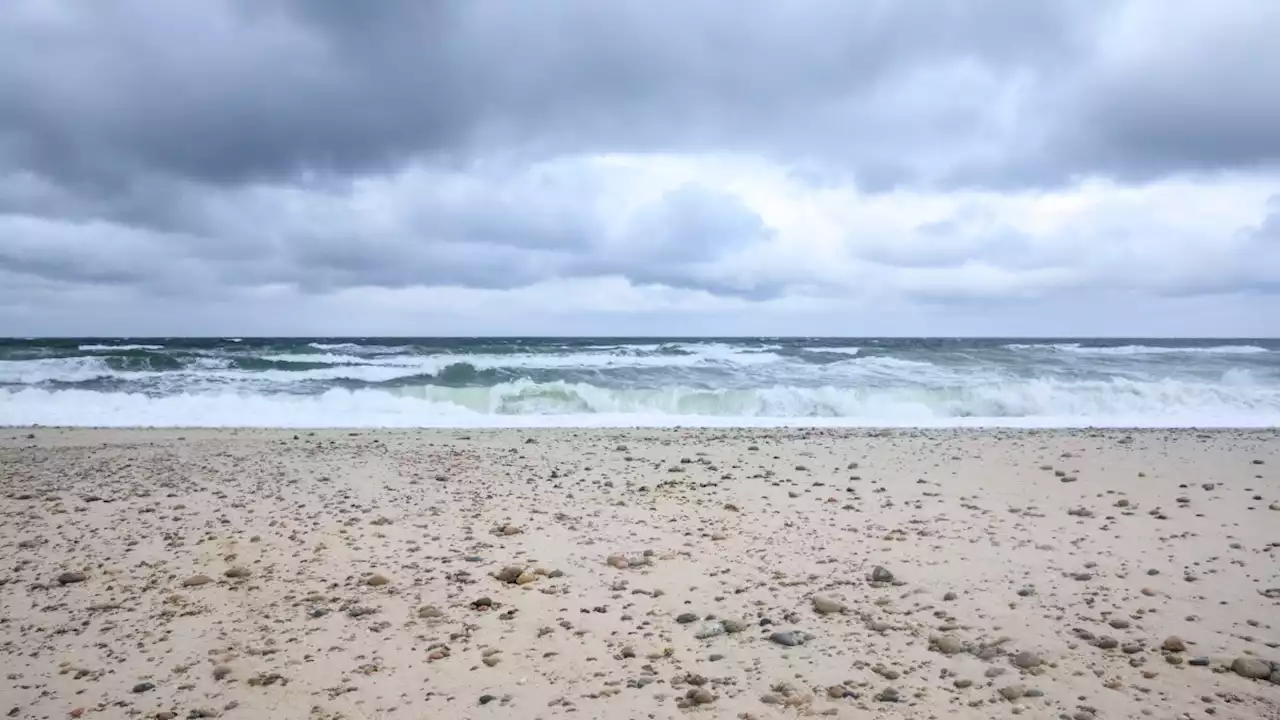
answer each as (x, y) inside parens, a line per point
(622, 382)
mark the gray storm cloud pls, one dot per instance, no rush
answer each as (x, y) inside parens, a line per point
(213, 145)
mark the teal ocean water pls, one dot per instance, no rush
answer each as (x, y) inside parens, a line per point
(477, 382)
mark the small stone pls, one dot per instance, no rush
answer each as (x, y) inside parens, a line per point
(881, 575)
(947, 644)
(824, 605)
(1026, 660)
(962, 683)
(686, 618)
(702, 696)
(1119, 623)
(790, 638)
(486, 699)
(1106, 642)
(618, 561)
(949, 597)
(526, 577)
(220, 672)
(1198, 662)
(237, 573)
(718, 536)
(197, 581)
(491, 660)
(1250, 667)
(734, 626)
(376, 580)
(710, 630)
(144, 687)
(1174, 644)
(888, 694)
(427, 612)
(67, 578)
(510, 573)
(1013, 692)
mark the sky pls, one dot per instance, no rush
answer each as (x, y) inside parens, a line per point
(640, 167)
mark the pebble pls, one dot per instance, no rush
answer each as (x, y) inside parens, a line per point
(510, 574)
(1250, 667)
(790, 638)
(710, 630)
(67, 578)
(1106, 642)
(144, 687)
(1119, 623)
(197, 581)
(686, 618)
(947, 644)
(237, 573)
(881, 575)
(1174, 644)
(825, 605)
(618, 561)
(888, 694)
(1013, 692)
(734, 626)
(376, 580)
(1027, 660)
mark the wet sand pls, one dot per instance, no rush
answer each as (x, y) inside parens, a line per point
(639, 574)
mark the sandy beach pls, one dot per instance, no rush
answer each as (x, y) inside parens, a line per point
(639, 574)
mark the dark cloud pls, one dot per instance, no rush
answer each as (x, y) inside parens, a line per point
(222, 92)
(995, 92)
(216, 146)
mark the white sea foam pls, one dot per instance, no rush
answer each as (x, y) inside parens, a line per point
(108, 348)
(1079, 349)
(1036, 403)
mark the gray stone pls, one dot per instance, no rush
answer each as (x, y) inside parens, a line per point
(824, 605)
(790, 638)
(686, 618)
(1027, 660)
(888, 694)
(1250, 667)
(1013, 692)
(880, 574)
(947, 644)
(710, 630)
(733, 626)
(1174, 644)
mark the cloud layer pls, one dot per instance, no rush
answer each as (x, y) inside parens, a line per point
(317, 166)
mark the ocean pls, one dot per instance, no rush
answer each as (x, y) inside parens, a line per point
(646, 382)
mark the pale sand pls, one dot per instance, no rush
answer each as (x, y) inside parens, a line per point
(744, 525)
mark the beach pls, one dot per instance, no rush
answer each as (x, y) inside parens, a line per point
(662, 573)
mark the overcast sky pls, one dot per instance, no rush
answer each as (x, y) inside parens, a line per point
(470, 167)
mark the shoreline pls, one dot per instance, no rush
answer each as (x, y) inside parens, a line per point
(647, 573)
